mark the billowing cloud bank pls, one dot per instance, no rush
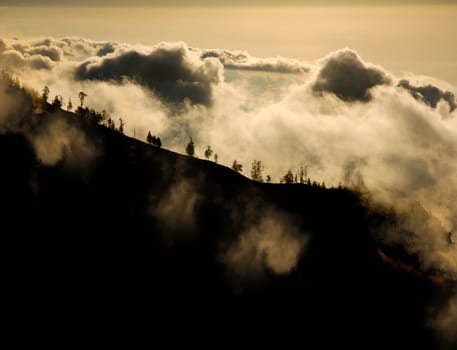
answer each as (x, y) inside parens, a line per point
(346, 120)
(169, 70)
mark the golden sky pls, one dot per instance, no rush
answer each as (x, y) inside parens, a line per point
(419, 39)
(215, 3)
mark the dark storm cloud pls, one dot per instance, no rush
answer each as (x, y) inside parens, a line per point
(243, 61)
(430, 94)
(170, 71)
(344, 74)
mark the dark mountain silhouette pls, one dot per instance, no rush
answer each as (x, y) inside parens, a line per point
(91, 242)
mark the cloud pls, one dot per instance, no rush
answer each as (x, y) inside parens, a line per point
(169, 70)
(15, 60)
(78, 49)
(344, 74)
(44, 53)
(274, 243)
(430, 94)
(34, 54)
(53, 52)
(3, 45)
(241, 60)
(106, 49)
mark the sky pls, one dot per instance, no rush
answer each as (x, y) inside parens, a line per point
(222, 3)
(417, 39)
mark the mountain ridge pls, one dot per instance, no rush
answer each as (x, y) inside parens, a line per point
(147, 229)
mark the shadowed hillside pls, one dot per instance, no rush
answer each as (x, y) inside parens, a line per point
(119, 227)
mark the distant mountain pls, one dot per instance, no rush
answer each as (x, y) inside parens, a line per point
(100, 225)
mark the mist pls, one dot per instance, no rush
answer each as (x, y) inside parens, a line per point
(273, 242)
(175, 210)
(348, 121)
(55, 139)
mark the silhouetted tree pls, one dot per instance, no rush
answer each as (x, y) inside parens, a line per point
(215, 158)
(45, 94)
(121, 125)
(237, 166)
(82, 95)
(16, 92)
(111, 123)
(69, 105)
(94, 116)
(190, 148)
(302, 175)
(81, 111)
(268, 179)
(288, 178)
(256, 170)
(208, 152)
(153, 140)
(57, 102)
(105, 115)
